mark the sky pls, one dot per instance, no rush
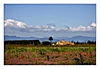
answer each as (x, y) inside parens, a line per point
(43, 20)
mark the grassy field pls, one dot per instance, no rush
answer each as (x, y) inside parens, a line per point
(81, 54)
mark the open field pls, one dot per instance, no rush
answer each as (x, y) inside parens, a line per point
(31, 45)
(81, 54)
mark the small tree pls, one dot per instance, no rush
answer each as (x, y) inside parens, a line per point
(50, 38)
(88, 42)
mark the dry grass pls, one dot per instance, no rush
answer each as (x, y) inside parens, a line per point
(48, 55)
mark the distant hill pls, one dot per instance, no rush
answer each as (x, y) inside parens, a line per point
(6, 37)
(75, 38)
(79, 38)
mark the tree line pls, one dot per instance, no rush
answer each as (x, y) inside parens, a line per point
(88, 42)
(36, 42)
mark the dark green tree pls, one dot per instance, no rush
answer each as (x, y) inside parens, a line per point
(50, 38)
(77, 42)
(89, 42)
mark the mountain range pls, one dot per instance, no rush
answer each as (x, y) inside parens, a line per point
(74, 38)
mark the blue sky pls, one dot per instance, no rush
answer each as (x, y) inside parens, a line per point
(60, 15)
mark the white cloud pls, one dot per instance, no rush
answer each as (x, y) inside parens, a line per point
(37, 27)
(21, 25)
(80, 28)
(93, 24)
(12, 26)
(91, 28)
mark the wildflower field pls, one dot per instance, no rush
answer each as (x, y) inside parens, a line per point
(47, 55)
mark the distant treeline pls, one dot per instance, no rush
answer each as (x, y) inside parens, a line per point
(88, 42)
(36, 42)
